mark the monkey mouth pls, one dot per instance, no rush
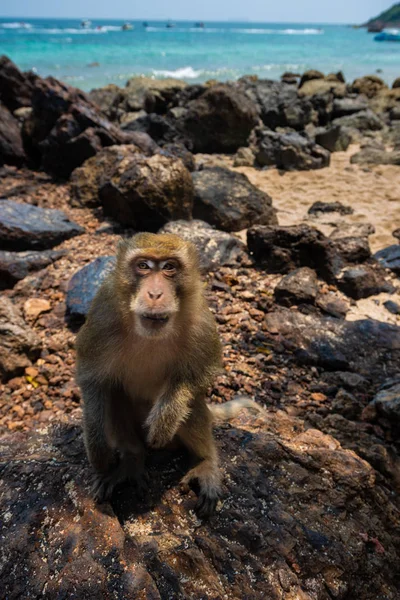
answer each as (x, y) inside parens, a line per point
(155, 318)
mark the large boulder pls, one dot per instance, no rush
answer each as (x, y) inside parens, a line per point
(363, 281)
(348, 106)
(216, 248)
(66, 128)
(15, 87)
(220, 120)
(145, 193)
(333, 138)
(11, 149)
(229, 201)
(370, 85)
(15, 266)
(84, 285)
(278, 103)
(310, 75)
(108, 99)
(19, 344)
(96, 171)
(288, 151)
(26, 227)
(365, 120)
(372, 155)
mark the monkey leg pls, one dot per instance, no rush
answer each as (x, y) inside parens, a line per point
(196, 435)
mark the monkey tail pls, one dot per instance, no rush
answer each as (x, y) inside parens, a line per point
(229, 410)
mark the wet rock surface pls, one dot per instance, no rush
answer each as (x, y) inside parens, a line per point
(229, 201)
(24, 227)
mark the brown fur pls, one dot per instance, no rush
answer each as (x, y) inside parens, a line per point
(139, 390)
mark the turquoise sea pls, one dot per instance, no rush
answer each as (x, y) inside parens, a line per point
(66, 50)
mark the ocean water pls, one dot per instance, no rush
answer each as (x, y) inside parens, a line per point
(223, 51)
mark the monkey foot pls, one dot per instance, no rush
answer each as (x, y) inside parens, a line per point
(206, 504)
(104, 484)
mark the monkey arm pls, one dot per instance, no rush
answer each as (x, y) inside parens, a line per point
(168, 413)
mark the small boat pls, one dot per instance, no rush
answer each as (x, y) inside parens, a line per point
(199, 25)
(85, 24)
(127, 27)
(170, 25)
(388, 35)
(145, 24)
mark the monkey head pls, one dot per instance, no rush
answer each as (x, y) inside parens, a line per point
(157, 279)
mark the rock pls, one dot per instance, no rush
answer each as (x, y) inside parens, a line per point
(220, 120)
(348, 106)
(350, 230)
(178, 150)
(96, 171)
(152, 95)
(289, 77)
(310, 75)
(244, 157)
(320, 87)
(19, 344)
(154, 548)
(66, 128)
(375, 156)
(334, 139)
(370, 86)
(336, 77)
(298, 287)
(333, 304)
(288, 151)
(387, 401)
(11, 149)
(229, 201)
(278, 103)
(108, 100)
(365, 120)
(283, 249)
(392, 307)
(162, 129)
(389, 258)
(364, 347)
(33, 307)
(216, 248)
(322, 208)
(396, 234)
(145, 193)
(396, 83)
(15, 266)
(25, 227)
(84, 285)
(15, 87)
(353, 249)
(362, 282)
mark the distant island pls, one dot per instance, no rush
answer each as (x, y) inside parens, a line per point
(388, 18)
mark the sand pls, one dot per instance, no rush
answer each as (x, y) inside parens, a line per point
(373, 192)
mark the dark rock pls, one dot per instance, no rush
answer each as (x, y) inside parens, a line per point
(229, 201)
(288, 151)
(220, 120)
(15, 87)
(334, 139)
(161, 129)
(216, 248)
(310, 76)
(339, 76)
(387, 401)
(370, 86)
(348, 106)
(328, 207)
(289, 77)
(19, 344)
(11, 149)
(333, 304)
(152, 95)
(365, 120)
(282, 249)
(362, 282)
(96, 171)
(396, 83)
(365, 347)
(299, 286)
(84, 285)
(179, 151)
(145, 193)
(108, 100)
(375, 156)
(279, 104)
(353, 249)
(390, 258)
(244, 157)
(392, 307)
(17, 265)
(396, 234)
(25, 227)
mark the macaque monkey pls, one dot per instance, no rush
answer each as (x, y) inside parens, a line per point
(147, 354)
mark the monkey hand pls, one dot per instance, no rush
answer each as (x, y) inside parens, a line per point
(158, 437)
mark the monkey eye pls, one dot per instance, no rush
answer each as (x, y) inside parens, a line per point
(169, 268)
(142, 265)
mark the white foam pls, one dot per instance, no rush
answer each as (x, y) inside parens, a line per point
(183, 73)
(240, 30)
(19, 25)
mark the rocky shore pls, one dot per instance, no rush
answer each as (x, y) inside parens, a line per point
(291, 191)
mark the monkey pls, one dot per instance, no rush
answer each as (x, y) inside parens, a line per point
(146, 356)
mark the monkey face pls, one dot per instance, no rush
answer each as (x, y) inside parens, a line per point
(155, 301)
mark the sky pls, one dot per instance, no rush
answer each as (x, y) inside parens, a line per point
(305, 11)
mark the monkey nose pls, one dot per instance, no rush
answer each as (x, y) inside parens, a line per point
(155, 294)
